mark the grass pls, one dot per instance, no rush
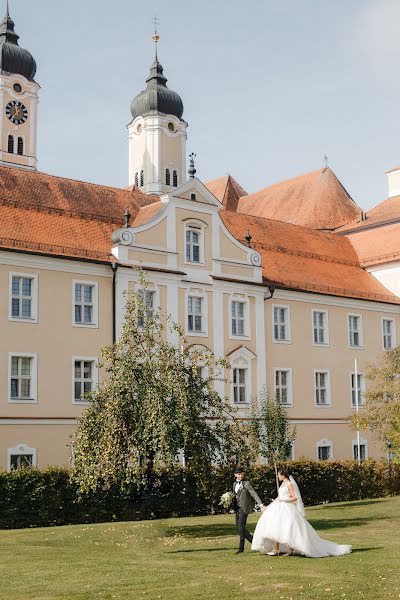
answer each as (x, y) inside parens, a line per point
(193, 558)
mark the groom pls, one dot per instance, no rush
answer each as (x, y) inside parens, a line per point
(245, 497)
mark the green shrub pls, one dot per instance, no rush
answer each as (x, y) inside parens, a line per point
(39, 498)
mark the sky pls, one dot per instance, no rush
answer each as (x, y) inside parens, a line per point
(269, 86)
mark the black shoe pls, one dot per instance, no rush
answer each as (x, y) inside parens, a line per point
(239, 551)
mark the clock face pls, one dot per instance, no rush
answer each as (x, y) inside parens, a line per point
(16, 112)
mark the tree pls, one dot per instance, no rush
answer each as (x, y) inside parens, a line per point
(270, 429)
(152, 405)
(381, 412)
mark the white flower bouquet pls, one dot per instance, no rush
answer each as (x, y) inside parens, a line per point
(226, 500)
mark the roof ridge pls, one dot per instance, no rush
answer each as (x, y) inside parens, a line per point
(39, 246)
(304, 253)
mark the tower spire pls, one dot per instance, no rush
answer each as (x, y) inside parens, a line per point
(156, 37)
(8, 10)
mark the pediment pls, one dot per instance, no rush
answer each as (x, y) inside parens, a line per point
(195, 191)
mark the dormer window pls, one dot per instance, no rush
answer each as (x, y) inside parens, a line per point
(167, 177)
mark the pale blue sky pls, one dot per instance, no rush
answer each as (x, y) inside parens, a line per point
(269, 86)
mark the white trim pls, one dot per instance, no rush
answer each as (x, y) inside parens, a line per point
(326, 328)
(394, 333)
(34, 378)
(95, 376)
(288, 326)
(95, 301)
(219, 340)
(349, 303)
(196, 293)
(242, 359)
(360, 332)
(363, 442)
(292, 451)
(288, 370)
(260, 341)
(27, 421)
(236, 297)
(67, 265)
(324, 443)
(19, 450)
(328, 403)
(197, 226)
(34, 301)
(363, 389)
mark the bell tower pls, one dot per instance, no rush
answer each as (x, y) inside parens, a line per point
(19, 97)
(157, 135)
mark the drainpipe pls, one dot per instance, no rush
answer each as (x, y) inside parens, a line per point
(114, 268)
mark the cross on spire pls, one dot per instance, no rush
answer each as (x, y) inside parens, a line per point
(325, 159)
(156, 37)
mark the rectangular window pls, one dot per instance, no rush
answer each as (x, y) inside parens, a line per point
(84, 379)
(355, 333)
(320, 327)
(84, 304)
(21, 297)
(20, 461)
(283, 386)
(322, 391)
(360, 389)
(148, 308)
(324, 452)
(388, 334)
(21, 378)
(239, 386)
(238, 318)
(194, 314)
(192, 245)
(363, 451)
(281, 324)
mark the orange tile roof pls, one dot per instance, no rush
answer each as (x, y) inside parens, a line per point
(317, 200)
(227, 190)
(304, 259)
(376, 245)
(146, 213)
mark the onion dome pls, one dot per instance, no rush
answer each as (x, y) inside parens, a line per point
(157, 97)
(13, 58)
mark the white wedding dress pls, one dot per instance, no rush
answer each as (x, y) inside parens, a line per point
(284, 522)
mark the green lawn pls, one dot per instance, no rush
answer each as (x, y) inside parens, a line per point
(192, 558)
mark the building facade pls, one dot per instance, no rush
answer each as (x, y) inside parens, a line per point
(291, 303)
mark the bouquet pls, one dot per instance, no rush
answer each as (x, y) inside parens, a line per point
(226, 499)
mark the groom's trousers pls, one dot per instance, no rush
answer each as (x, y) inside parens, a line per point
(241, 521)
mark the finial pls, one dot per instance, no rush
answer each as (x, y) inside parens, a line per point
(127, 217)
(192, 170)
(325, 159)
(156, 37)
(248, 239)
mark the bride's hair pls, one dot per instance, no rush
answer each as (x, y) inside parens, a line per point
(284, 471)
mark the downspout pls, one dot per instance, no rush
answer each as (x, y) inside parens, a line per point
(114, 268)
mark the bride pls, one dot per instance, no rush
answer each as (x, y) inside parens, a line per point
(283, 523)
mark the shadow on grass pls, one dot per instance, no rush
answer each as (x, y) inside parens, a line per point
(198, 550)
(326, 524)
(352, 504)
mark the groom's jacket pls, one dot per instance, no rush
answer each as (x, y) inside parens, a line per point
(246, 497)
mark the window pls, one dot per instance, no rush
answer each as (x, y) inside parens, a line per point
(239, 386)
(20, 146)
(85, 377)
(360, 389)
(363, 450)
(193, 235)
(324, 452)
(355, 332)
(141, 178)
(167, 177)
(194, 315)
(281, 324)
(388, 334)
(22, 378)
(21, 297)
(21, 457)
(320, 327)
(283, 386)
(175, 178)
(85, 303)
(137, 179)
(148, 306)
(10, 147)
(238, 317)
(322, 388)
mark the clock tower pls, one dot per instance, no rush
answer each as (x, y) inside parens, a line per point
(18, 100)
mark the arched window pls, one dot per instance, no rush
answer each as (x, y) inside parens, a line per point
(137, 179)
(11, 144)
(141, 178)
(167, 177)
(175, 178)
(20, 146)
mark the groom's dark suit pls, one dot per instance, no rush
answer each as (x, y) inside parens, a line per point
(245, 498)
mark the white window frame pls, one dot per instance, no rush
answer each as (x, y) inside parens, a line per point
(34, 302)
(198, 227)
(242, 359)
(292, 455)
(95, 376)
(324, 344)
(361, 334)
(328, 403)
(95, 300)
(362, 386)
(152, 287)
(289, 385)
(33, 399)
(363, 442)
(246, 314)
(288, 339)
(141, 319)
(324, 443)
(394, 335)
(204, 312)
(20, 450)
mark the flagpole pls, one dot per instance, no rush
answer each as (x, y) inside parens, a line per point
(357, 407)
